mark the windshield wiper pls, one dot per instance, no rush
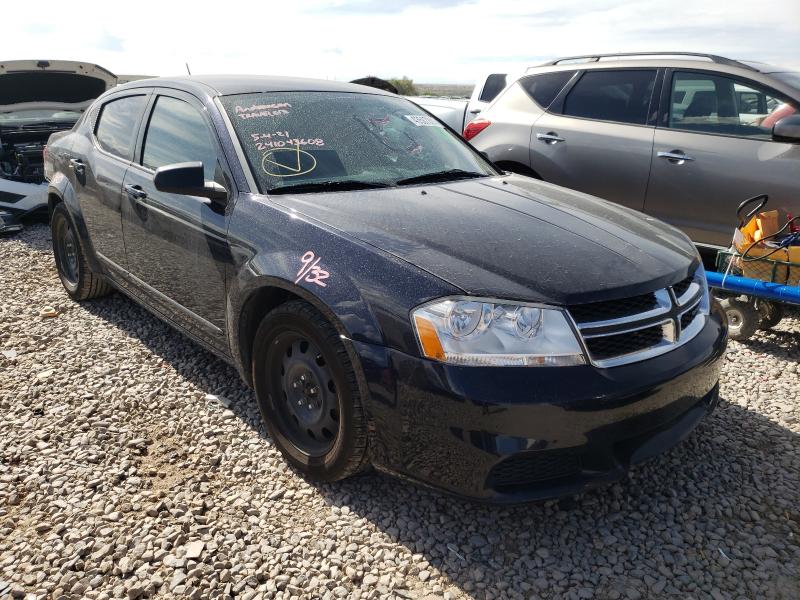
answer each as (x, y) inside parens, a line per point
(327, 186)
(449, 175)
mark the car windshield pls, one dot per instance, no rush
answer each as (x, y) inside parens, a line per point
(327, 141)
(16, 118)
(790, 77)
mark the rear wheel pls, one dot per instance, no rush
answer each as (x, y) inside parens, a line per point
(308, 393)
(76, 276)
(743, 318)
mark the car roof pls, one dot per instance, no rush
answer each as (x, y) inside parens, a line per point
(225, 85)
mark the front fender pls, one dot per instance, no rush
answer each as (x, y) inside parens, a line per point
(366, 293)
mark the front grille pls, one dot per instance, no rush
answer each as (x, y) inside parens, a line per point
(688, 316)
(524, 469)
(609, 346)
(613, 309)
(617, 332)
(681, 287)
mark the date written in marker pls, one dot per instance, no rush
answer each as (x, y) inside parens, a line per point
(310, 271)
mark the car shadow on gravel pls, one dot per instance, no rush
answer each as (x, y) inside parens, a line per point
(706, 516)
(738, 473)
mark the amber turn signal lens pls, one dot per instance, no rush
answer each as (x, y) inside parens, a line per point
(429, 339)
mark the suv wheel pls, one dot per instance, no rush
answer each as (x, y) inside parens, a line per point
(308, 393)
(77, 278)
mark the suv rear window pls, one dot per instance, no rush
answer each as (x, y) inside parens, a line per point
(117, 125)
(622, 96)
(545, 87)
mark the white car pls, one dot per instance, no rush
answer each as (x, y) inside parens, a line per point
(457, 112)
(38, 98)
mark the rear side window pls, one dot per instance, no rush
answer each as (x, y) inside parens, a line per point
(117, 125)
(178, 133)
(709, 103)
(545, 87)
(622, 96)
(493, 86)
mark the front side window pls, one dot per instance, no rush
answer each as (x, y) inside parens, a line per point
(117, 125)
(178, 133)
(724, 106)
(606, 95)
(341, 138)
(545, 87)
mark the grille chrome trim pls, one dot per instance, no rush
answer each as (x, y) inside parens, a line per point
(669, 315)
(691, 292)
(664, 304)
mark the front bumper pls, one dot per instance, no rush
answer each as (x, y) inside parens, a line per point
(520, 434)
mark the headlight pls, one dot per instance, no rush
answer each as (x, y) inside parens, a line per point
(705, 300)
(476, 332)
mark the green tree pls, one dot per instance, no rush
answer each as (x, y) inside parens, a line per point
(404, 85)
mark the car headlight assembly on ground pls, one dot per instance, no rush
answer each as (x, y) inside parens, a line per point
(487, 333)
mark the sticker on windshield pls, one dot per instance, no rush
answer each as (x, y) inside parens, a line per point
(423, 121)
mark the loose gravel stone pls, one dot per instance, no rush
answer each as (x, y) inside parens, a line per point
(133, 464)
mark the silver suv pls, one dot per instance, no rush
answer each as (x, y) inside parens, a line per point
(683, 137)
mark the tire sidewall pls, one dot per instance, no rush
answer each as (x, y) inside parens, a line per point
(267, 388)
(59, 223)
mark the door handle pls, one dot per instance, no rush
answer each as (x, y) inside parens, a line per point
(475, 111)
(551, 137)
(135, 191)
(676, 157)
(76, 164)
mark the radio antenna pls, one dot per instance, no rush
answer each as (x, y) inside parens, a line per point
(188, 70)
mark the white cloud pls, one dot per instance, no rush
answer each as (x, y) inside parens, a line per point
(430, 41)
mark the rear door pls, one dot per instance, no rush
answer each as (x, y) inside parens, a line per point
(98, 164)
(597, 137)
(177, 245)
(714, 148)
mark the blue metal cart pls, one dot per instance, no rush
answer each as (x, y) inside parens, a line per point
(754, 289)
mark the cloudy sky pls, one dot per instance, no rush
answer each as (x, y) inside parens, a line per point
(444, 41)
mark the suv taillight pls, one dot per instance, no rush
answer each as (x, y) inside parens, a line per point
(473, 128)
(44, 153)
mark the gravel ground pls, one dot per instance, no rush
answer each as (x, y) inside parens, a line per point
(134, 464)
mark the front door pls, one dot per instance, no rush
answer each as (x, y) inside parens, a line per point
(713, 149)
(177, 245)
(601, 140)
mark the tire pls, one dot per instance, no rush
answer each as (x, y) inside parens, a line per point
(743, 318)
(771, 314)
(308, 393)
(76, 276)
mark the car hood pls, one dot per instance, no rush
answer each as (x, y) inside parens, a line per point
(512, 237)
(51, 84)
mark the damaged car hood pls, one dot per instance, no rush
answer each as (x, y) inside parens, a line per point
(511, 237)
(51, 85)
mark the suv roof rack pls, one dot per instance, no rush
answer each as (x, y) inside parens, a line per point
(712, 57)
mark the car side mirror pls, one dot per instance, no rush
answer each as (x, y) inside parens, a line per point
(188, 179)
(787, 129)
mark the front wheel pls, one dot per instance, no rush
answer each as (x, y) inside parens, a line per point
(308, 393)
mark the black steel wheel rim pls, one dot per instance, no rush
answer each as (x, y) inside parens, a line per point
(305, 396)
(67, 245)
